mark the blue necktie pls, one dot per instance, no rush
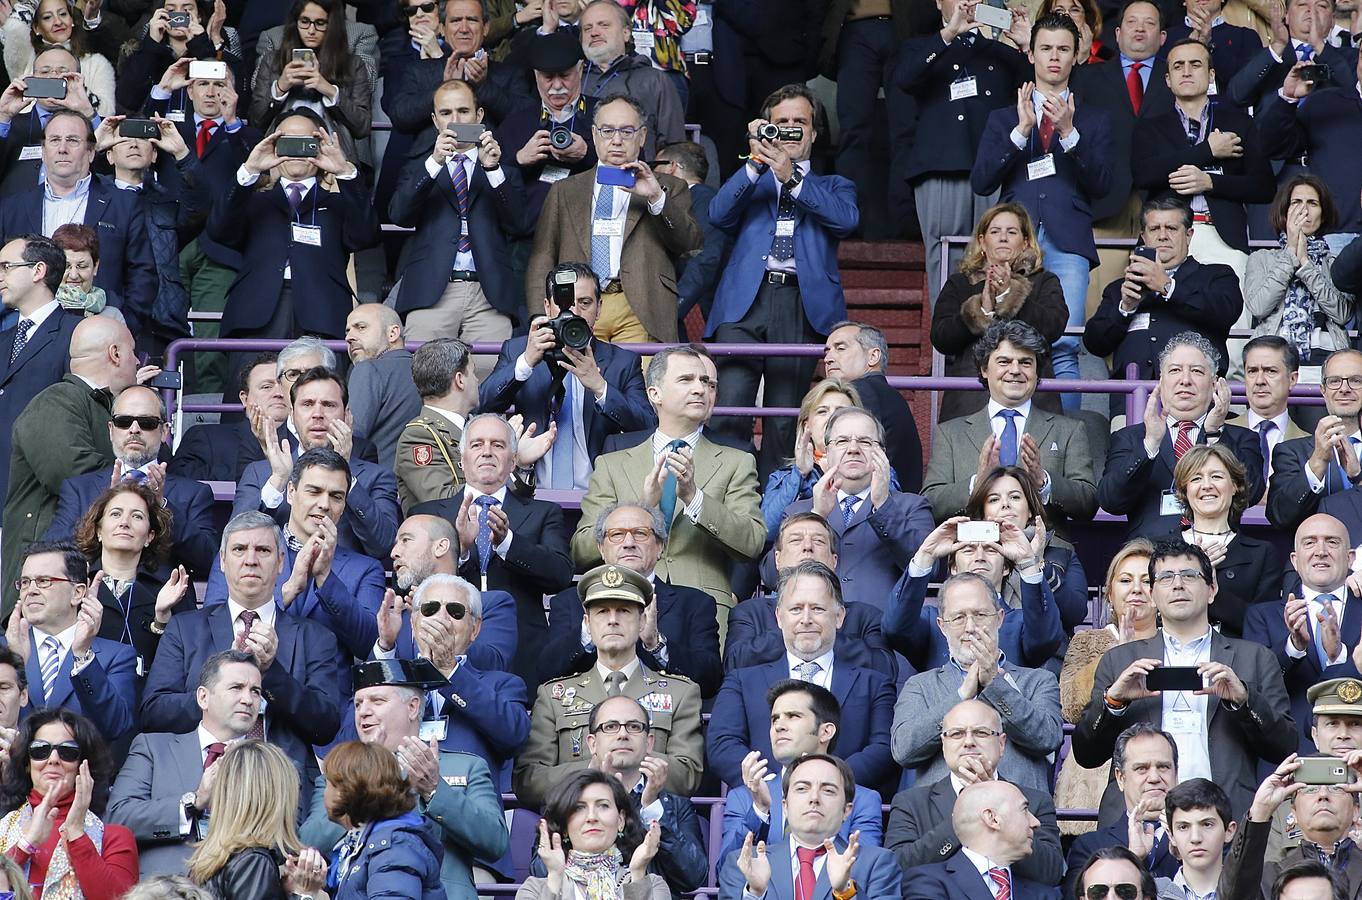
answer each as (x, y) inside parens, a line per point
(1325, 600)
(1007, 450)
(849, 509)
(1337, 467)
(1264, 428)
(563, 445)
(668, 502)
(135, 475)
(484, 541)
(1305, 52)
(600, 243)
(782, 248)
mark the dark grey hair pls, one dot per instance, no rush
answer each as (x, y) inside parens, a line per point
(812, 569)
(1139, 729)
(1196, 342)
(435, 363)
(657, 366)
(249, 521)
(869, 337)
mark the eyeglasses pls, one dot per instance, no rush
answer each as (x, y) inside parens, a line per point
(983, 618)
(841, 443)
(82, 266)
(1334, 382)
(633, 726)
(1123, 891)
(617, 535)
(146, 423)
(42, 581)
(16, 265)
(1184, 574)
(609, 131)
(292, 374)
(1332, 790)
(312, 24)
(410, 11)
(455, 609)
(67, 751)
(978, 734)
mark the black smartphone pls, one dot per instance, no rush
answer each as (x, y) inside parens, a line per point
(145, 129)
(297, 146)
(45, 88)
(1149, 253)
(166, 381)
(177, 20)
(1315, 73)
(1174, 678)
(466, 132)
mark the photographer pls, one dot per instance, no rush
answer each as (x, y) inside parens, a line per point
(595, 391)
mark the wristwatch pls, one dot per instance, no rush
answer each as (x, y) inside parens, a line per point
(191, 812)
(794, 180)
(846, 894)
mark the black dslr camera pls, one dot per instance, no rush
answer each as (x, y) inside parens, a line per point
(560, 137)
(770, 132)
(568, 328)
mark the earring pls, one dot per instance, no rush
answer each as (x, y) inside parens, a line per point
(619, 836)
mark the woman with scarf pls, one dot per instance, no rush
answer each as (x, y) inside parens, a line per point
(590, 828)
(57, 784)
(78, 292)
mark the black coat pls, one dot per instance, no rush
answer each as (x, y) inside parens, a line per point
(1250, 573)
(1257, 83)
(515, 131)
(903, 444)
(129, 621)
(1104, 85)
(215, 451)
(505, 89)
(1233, 47)
(1328, 130)
(754, 638)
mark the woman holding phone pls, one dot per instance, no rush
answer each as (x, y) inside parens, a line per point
(178, 30)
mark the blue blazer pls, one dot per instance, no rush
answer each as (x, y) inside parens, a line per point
(740, 817)
(1327, 127)
(625, 408)
(741, 721)
(303, 685)
(369, 523)
(105, 691)
(126, 265)
(191, 503)
(876, 874)
(957, 878)
(1060, 202)
(400, 858)
(495, 215)
(1028, 636)
(43, 362)
(754, 638)
(346, 604)
(496, 642)
(825, 213)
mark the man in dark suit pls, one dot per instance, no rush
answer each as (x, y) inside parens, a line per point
(295, 236)
(1189, 408)
(997, 829)
(920, 829)
(781, 285)
(506, 542)
(1242, 712)
(1144, 762)
(680, 630)
(457, 279)
(809, 610)
(71, 193)
(213, 451)
(1310, 470)
(587, 394)
(161, 792)
(1164, 296)
(302, 687)
(29, 278)
(697, 276)
(858, 353)
(754, 635)
(137, 429)
(383, 395)
(878, 529)
(1206, 152)
(1053, 156)
(319, 400)
(1232, 46)
(22, 121)
(820, 792)
(1305, 38)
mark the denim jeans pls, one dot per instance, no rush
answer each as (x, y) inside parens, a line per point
(1072, 270)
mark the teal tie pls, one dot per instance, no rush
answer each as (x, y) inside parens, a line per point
(669, 487)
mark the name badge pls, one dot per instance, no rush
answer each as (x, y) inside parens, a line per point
(552, 174)
(785, 227)
(1040, 168)
(433, 730)
(644, 41)
(1182, 722)
(175, 115)
(1139, 322)
(607, 227)
(311, 235)
(964, 89)
(1211, 90)
(141, 666)
(31, 152)
(1169, 505)
(701, 14)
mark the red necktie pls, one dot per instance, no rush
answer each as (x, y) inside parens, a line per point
(247, 619)
(807, 878)
(1135, 85)
(1004, 883)
(205, 132)
(215, 751)
(1184, 439)
(1047, 131)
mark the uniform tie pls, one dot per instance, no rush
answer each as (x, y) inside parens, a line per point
(614, 684)
(205, 134)
(1135, 86)
(1183, 443)
(51, 665)
(1007, 449)
(21, 333)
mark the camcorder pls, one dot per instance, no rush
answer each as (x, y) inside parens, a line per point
(770, 132)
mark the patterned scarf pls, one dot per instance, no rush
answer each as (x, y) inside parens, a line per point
(73, 298)
(60, 883)
(1300, 309)
(599, 875)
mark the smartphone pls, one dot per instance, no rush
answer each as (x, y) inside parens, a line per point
(617, 177)
(1149, 253)
(45, 88)
(305, 55)
(171, 381)
(1322, 770)
(993, 16)
(207, 69)
(297, 146)
(177, 20)
(1174, 678)
(1316, 73)
(145, 129)
(466, 133)
(977, 532)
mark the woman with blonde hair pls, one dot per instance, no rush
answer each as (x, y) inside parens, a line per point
(14, 885)
(252, 830)
(1000, 278)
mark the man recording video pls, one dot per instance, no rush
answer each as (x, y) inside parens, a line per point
(589, 389)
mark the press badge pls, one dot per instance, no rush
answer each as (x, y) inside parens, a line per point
(1169, 504)
(1182, 722)
(644, 41)
(785, 227)
(553, 174)
(307, 234)
(964, 88)
(34, 151)
(1139, 322)
(608, 227)
(175, 115)
(1040, 168)
(433, 730)
(141, 666)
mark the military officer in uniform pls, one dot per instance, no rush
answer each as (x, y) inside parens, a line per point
(427, 460)
(614, 598)
(455, 790)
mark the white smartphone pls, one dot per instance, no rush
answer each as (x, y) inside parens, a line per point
(207, 69)
(977, 532)
(993, 16)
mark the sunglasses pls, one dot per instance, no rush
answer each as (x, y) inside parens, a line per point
(410, 11)
(1123, 891)
(67, 751)
(146, 423)
(455, 609)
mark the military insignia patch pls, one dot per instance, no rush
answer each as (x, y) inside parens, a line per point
(422, 454)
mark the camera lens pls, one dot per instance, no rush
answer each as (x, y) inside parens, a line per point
(768, 132)
(560, 137)
(575, 333)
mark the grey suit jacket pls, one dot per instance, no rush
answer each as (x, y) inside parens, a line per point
(1029, 710)
(160, 769)
(383, 400)
(1064, 454)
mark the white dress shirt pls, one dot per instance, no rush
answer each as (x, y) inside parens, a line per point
(1316, 608)
(782, 265)
(660, 442)
(469, 160)
(998, 423)
(983, 864)
(822, 678)
(1184, 712)
(39, 316)
(67, 210)
(1067, 144)
(619, 212)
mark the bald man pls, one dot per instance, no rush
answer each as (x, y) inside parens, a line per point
(64, 431)
(383, 397)
(995, 825)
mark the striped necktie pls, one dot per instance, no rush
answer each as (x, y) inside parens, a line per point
(51, 665)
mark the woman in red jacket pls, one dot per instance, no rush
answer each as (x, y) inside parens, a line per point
(61, 771)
